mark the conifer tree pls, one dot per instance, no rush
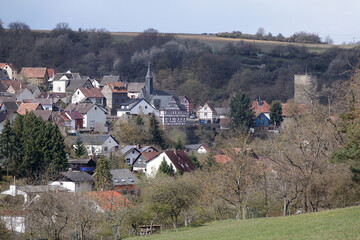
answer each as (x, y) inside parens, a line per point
(276, 113)
(102, 176)
(240, 113)
(179, 145)
(165, 168)
(7, 146)
(79, 148)
(155, 133)
(194, 160)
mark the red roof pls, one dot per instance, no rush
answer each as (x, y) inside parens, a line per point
(2, 65)
(180, 160)
(117, 87)
(16, 85)
(91, 92)
(28, 107)
(73, 115)
(222, 159)
(109, 200)
(260, 107)
(51, 72)
(149, 155)
(34, 72)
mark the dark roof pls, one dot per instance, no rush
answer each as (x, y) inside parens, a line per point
(76, 176)
(10, 106)
(180, 160)
(106, 79)
(193, 147)
(80, 161)
(128, 148)
(135, 86)
(2, 115)
(69, 75)
(123, 177)
(77, 83)
(44, 114)
(93, 139)
(82, 108)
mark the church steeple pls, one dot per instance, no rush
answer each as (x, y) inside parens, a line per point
(149, 81)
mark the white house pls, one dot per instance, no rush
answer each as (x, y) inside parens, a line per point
(94, 115)
(94, 95)
(130, 152)
(98, 144)
(207, 113)
(199, 148)
(74, 181)
(14, 221)
(136, 107)
(178, 159)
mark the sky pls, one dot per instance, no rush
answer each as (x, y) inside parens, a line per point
(338, 19)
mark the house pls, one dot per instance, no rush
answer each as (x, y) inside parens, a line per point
(207, 113)
(11, 86)
(130, 152)
(74, 181)
(116, 94)
(55, 97)
(28, 107)
(135, 107)
(199, 148)
(73, 120)
(46, 103)
(45, 115)
(84, 165)
(106, 79)
(94, 95)
(124, 181)
(177, 158)
(262, 114)
(147, 149)
(75, 84)
(225, 123)
(30, 192)
(139, 163)
(187, 104)
(222, 113)
(134, 89)
(34, 75)
(61, 81)
(8, 71)
(94, 115)
(292, 109)
(14, 221)
(168, 107)
(108, 201)
(34, 89)
(95, 83)
(98, 144)
(23, 94)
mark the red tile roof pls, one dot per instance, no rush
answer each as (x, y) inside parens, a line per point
(109, 200)
(91, 92)
(117, 87)
(28, 107)
(74, 115)
(260, 107)
(51, 72)
(222, 159)
(149, 155)
(2, 65)
(34, 72)
(16, 85)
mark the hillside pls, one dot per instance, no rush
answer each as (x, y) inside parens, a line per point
(332, 224)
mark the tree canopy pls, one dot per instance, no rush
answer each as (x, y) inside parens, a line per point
(240, 113)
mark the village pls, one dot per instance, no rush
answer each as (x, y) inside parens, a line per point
(84, 108)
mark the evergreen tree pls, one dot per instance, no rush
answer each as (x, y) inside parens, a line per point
(155, 133)
(7, 146)
(276, 113)
(166, 169)
(139, 120)
(240, 113)
(179, 145)
(102, 176)
(194, 160)
(79, 148)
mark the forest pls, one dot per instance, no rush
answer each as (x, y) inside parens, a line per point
(177, 64)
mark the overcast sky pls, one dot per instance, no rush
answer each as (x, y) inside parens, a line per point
(338, 19)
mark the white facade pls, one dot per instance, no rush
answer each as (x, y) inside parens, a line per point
(141, 107)
(153, 165)
(73, 186)
(110, 145)
(202, 150)
(13, 191)
(95, 119)
(59, 86)
(206, 114)
(78, 96)
(14, 223)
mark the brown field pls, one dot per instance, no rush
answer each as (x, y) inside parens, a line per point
(218, 42)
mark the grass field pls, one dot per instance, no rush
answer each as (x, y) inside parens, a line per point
(332, 224)
(218, 42)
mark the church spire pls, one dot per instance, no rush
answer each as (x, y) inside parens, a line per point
(149, 80)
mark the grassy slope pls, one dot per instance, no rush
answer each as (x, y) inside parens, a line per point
(218, 42)
(332, 224)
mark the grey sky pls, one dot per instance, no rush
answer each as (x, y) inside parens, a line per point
(338, 19)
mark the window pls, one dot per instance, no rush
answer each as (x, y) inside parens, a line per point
(95, 108)
(98, 101)
(128, 160)
(145, 107)
(105, 149)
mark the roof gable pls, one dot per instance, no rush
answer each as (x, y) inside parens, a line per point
(34, 72)
(180, 160)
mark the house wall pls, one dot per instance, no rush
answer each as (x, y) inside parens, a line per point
(110, 144)
(47, 106)
(133, 95)
(14, 223)
(95, 119)
(130, 157)
(140, 164)
(78, 96)
(13, 191)
(173, 115)
(153, 165)
(74, 186)
(201, 150)
(10, 73)
(205, 113)
(60, 86)
(262, 121)
(65, 184)
(142, 107)
(26, 94)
